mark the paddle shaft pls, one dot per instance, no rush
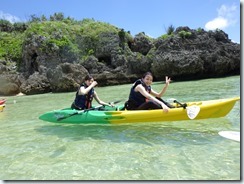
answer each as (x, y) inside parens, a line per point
(182, 105)
(85, 110)
(78, 112)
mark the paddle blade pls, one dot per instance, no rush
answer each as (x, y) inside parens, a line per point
(233, 135)
(192, 111)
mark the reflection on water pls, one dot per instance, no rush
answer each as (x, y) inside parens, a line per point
(150, 134)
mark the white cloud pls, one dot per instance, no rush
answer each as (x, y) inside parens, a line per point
(218, 22)
(9, 17)
(227, 16)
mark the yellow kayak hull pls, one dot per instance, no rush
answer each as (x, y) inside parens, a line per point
(208, 109)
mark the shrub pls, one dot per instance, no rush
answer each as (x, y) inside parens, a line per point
(170, 30)
(11, 46)
(184, 34)
(5, 26)
(199, 30)
(165, 36)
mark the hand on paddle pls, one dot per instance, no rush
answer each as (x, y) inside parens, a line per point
(110, 104)
(165, 108)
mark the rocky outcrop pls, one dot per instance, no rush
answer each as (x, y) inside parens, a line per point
(142, 44)
(10, 84)
(10, 79)
(66, 77)
(201, 55)
(113, 59)
(35, 84)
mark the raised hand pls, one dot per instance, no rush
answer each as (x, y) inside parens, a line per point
(167, 80)
(94, 83)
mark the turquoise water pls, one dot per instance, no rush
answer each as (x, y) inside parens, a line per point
(32, 149)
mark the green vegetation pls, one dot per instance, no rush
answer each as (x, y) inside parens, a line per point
(184, 34)
(52, 36)
(199, 30)
(165, 36)
(11, 46)
(64, 36)
(170, 30)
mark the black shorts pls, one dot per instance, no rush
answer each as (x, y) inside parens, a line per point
(73, 106)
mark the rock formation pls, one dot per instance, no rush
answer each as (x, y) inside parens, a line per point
(115, 57)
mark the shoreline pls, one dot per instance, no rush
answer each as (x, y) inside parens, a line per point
(19, 94)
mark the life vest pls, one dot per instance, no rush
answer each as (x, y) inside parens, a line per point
(136, 97)
(84, 101)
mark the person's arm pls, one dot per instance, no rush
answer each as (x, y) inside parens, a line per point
(160, 94)
(142, 90)
(84, 91)
(100, 101)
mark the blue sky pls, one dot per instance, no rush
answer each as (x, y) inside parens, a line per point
(149, 16)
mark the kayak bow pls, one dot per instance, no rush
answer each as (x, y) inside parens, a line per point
(2, 101)
(2, 107)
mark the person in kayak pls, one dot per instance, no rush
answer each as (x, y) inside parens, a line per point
(143, 97)
(85, 95)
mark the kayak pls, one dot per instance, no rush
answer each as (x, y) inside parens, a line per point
(2, 107)
(2, 101)
(115, 115)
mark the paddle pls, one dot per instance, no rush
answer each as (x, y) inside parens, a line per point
(233, 135)
(192, 111)
(85, 110)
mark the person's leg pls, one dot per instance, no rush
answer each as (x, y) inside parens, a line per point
(73, 106)
(149, 105)
(130, 105)
(166, 103)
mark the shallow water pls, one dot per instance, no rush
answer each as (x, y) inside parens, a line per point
(32, 149)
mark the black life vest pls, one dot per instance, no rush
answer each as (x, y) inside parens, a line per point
(84, 101)
(136, 97)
